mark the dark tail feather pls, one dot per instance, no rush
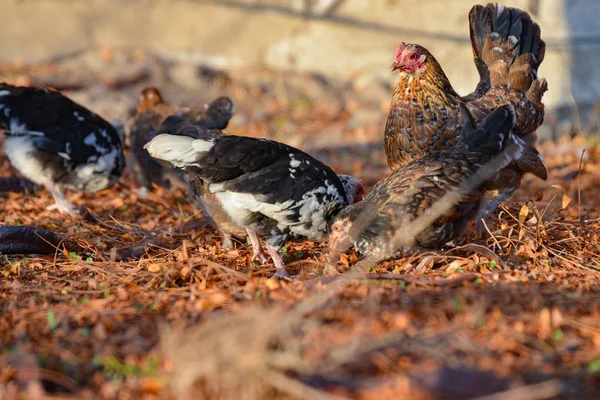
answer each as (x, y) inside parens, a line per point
(468, 122)
(479, 23)
(503, 38)
(218, 114)
(532, 162)
(176, 125)
(492, 134)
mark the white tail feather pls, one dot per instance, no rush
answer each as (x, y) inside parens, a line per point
(181, 151)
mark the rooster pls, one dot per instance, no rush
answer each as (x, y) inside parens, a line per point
(267, 188)
(58, 144)
(151, 111)
(424, 112)
(375, 225)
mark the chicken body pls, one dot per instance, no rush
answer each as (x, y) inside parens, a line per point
(376, 224)
(58, 144)
(424, 114)
(267, 188)
(197, 188)
(151, 112)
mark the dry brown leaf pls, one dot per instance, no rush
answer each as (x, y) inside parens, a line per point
(154, 267)
(122, 293)
(544, 324)
(523, 213)
(566, 200)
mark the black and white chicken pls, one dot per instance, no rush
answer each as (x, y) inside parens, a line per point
(197, 188)
(375, 225)
(151, 112)
(57, 143)
(270, 189)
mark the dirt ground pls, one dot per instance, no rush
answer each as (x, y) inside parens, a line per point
(515, 313)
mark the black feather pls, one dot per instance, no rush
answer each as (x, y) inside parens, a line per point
(273, 173)
(492, 133)
(62, 121)
(65, 135)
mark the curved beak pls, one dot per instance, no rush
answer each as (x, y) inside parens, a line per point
(396, 65)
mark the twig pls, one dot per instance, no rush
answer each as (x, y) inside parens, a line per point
(87, 215)
(223, 268)
(477, 248)
(306, 261)
(188, 226)
(579, 187)
(491, 235)
(137, 251)
(52, 376)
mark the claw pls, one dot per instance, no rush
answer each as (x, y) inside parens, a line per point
(491, 207)
(227, 243)
(64, 208)
(279, 265)
(259, 254)
(283, 275)
(61, 203)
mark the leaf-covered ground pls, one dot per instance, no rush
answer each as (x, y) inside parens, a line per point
(516, 312)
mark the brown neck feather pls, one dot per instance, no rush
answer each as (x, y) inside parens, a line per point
(429, 85)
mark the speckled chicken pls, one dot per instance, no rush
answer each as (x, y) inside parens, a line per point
(374, 225)
(151, 111)
(197, 188)
(268, 188)
(58, 144)
(424, 112)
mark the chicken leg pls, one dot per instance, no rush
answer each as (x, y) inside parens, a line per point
(61, 204)
(491, 207)
(259, 254)
(280, 270)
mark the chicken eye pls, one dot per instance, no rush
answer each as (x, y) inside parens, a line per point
(414, 56)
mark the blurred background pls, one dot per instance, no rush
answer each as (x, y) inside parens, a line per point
(335, 52)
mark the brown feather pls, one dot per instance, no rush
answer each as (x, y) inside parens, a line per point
(424, 113)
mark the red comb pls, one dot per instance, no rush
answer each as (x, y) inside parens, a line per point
(400, 49)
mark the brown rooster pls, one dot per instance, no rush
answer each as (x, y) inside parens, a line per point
(375, 225)
(424, 112)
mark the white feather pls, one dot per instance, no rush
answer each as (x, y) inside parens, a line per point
(20, 151)
(21, 129)
(181, 151)
(239, 206)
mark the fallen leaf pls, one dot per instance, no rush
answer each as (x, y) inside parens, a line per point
(154, 267)
(523, 213)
